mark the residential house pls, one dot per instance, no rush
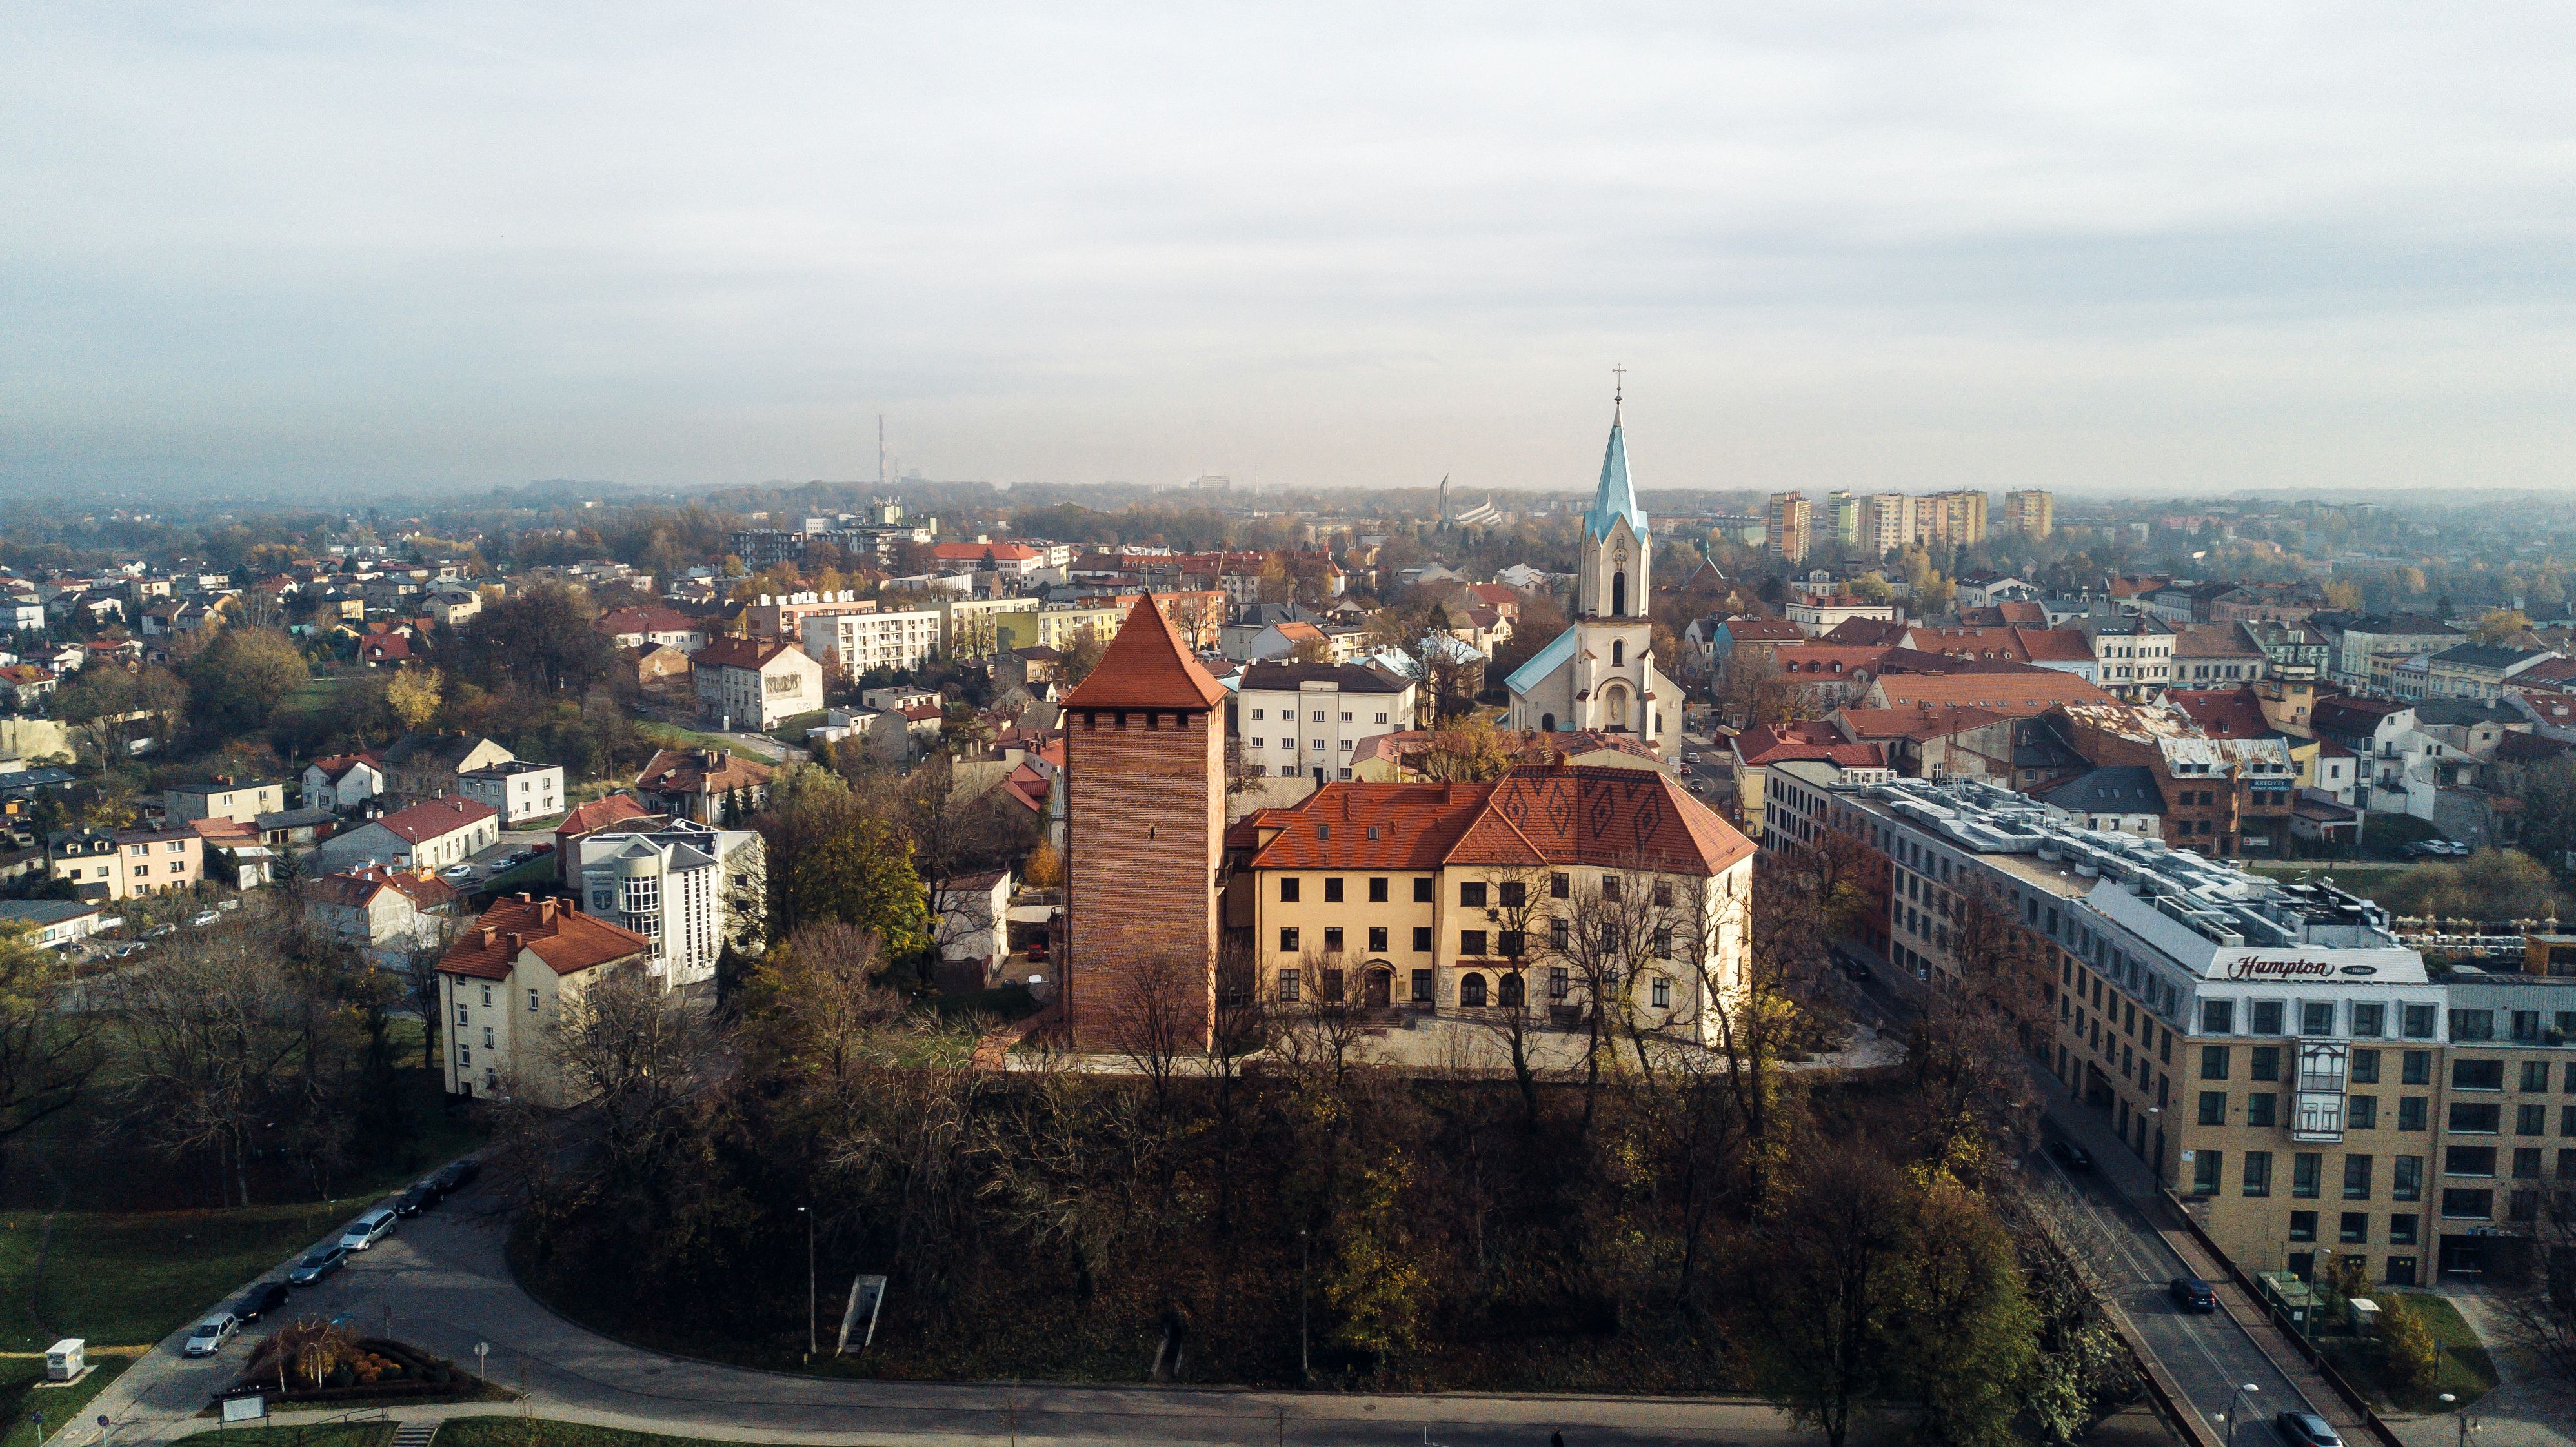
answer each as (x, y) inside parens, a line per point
(54, 924)
(2216, 655)
(2120, 798)
(391, 914)
(651, 627)
(126, 863)
(971, 926)
(2356, 640)
(434, 834)
(26, 686)
(240, 800)
(421, 765)
(507, 981)
(583, 820)
(344, 781)
(518, 790)
(1307, 719)
(708, 786)
(756, 683)
(2133, 654)
(2479, 670)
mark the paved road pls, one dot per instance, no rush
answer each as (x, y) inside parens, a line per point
(443, 1277)
(2206, 1353)
(2209, 1355)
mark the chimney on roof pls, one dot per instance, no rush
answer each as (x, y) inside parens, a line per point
(486, 933)
(546, 911)
(517, 941)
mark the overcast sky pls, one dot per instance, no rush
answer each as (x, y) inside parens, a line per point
(2152, 248)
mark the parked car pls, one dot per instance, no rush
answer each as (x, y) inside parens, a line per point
(419, 1198)
(2193, 1294)
(260, 1300)
(367, 1230)
(2071, 1155)
(203, 918)
(160, 931)
(211, 1334)
(2306, 1429)
(1854, 968)
(457, 873)
(319, 1262)
(455, 1176)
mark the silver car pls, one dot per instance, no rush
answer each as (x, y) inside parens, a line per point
(211, 1334)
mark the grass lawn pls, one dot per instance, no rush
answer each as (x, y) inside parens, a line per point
(20, 1401)
(791, 730)
(672, 736)
(340, 1434)
(120, 1276)
(2468, 1373)
(538, 1432)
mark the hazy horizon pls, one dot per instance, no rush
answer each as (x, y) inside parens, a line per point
(301, 247)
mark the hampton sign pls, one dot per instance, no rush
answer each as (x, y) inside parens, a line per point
(2293, 967)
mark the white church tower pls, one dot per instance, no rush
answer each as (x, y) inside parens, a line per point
(1600, 672)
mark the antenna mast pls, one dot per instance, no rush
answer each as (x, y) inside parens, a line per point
(881, 452)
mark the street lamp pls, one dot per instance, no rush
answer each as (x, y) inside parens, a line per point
(2242, 1390)
(810, 1301)
(1305, 1364)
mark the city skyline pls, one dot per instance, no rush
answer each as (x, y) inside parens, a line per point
(462, 247)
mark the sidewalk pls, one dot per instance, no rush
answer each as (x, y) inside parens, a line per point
(2526, 1409)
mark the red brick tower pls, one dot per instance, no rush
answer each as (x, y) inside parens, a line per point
(1145, 801)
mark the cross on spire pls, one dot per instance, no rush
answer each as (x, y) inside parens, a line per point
(1618, 388)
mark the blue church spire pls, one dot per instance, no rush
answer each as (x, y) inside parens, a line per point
(1616, 497)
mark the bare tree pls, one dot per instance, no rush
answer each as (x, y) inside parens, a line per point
(1973, 1037)
(816, 1007)
(48, 1055)
(1162, 1011)
(222, 1040)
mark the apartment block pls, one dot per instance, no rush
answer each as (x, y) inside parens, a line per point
(1789, 525)
(2031, 512)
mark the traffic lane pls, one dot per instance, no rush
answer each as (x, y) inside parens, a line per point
(2207, 1354)
(450, 1288)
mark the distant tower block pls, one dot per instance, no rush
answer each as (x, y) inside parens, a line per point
(1145, 805)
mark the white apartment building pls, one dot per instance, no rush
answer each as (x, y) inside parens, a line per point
(755, 683)
(2132, 654)
(860, 643)
(1308, 719)
(520, 790)
(687, 889)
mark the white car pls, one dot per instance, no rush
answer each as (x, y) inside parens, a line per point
(204, 918)
(211, 1334)
(456, 872)
(368, 1229)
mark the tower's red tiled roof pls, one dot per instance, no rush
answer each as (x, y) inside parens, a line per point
(1147, 666)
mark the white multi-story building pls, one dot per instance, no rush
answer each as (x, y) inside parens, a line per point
(754, 683)
(520, 790)
(688, 889)
(1308, 719)
(2133, 654)
(860, 643)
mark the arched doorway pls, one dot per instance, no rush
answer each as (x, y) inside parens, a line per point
(1471, 992)
(1514, 994)
(1547, 723)
(1619, 595)
(1377, 990)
